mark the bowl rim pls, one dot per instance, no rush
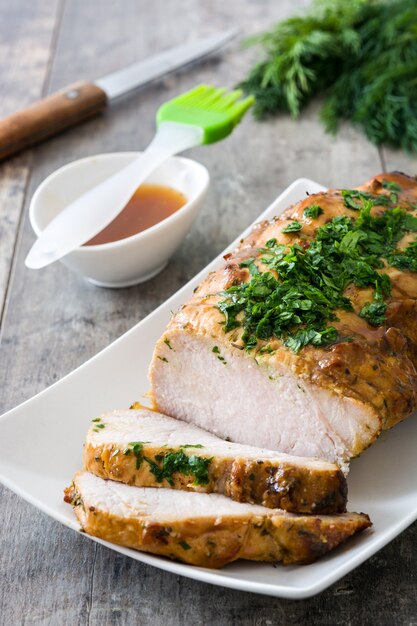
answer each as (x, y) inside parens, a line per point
(148, 232)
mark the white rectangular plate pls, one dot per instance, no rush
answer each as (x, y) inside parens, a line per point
(41, 445)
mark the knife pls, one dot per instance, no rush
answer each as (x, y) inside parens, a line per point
(82, 100)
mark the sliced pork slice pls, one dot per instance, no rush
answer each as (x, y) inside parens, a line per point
(147, 449)
(326, 401)
(203, 529)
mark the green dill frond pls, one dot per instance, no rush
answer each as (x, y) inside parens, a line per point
(361, 55)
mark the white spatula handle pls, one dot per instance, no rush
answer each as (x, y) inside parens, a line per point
(90, 213)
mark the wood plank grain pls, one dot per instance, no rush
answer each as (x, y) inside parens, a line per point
(399, 160)
(25, 46)
(55, 321)
(27, 29)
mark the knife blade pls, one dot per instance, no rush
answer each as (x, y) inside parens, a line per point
(82, 100)
(138, 74)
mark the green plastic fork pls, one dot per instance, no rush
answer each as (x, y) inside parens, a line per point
(212, 110)
(200, 116)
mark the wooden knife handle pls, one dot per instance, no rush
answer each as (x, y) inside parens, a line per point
(50, 116)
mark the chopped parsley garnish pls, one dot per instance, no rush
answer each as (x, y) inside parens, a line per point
(410, 222)
(394, 188)
(97, 425)
(405, 259)
(294, 227)
(357, 200)
(137, 447)
(166, 341)
(216, 351)
(297, 298)
(251, 265)
(165, 465)
(185, 545)
(374, 313)
(389, 184)
(313, 211)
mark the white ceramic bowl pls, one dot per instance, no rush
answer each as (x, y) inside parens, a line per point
(134, 259)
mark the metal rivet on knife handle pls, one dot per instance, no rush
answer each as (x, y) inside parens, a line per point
(49, 116)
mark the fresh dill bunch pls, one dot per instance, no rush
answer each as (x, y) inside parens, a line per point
(378, 88)
(304, 55)
(361, 55)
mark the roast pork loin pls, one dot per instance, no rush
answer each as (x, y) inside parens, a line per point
(330, 400)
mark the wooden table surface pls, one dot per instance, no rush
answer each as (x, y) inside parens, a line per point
(52, 321)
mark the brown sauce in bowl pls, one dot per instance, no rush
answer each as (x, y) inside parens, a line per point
(149, 205)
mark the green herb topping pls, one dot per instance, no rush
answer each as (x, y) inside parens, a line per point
(217, 351)
(394, 188)
(389, 184)
(294, 227)
(271, 243)
(251, 265)
(374, 313)
(358, 200)
(296, 299)
(185, 545)
(97, 424)
(313, 211)
(164, 465)
(137, 447)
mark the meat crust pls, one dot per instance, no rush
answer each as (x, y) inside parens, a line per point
(200, 529)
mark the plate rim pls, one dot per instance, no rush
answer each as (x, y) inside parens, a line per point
(197, 573)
